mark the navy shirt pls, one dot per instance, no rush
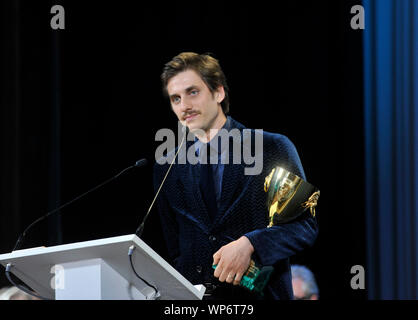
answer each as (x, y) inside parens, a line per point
(217, 168)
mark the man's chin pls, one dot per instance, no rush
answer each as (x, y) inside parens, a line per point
(196, 130)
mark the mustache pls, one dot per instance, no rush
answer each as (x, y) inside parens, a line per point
(189, 113)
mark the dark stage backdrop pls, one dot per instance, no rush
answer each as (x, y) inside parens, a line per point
(80, 104)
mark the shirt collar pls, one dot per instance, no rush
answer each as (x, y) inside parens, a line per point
(198, 144)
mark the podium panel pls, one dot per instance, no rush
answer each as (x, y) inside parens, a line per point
(100, 269)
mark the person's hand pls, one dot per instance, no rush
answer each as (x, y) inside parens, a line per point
(233, 260)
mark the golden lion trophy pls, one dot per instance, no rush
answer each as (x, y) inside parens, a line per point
(288, 196)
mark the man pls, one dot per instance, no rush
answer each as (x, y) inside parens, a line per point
(215, 214)
(303, 283)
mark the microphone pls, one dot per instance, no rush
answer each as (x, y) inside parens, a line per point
(137, 164)
(140, 229)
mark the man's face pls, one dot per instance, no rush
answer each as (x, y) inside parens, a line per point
(193, 103)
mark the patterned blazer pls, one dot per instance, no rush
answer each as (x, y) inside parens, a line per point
(192, 238)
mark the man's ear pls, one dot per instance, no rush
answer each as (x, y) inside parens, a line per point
(220, 94)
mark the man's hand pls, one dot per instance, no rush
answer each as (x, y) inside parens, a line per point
(233, 260)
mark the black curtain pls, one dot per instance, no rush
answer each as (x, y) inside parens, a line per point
(29, 123)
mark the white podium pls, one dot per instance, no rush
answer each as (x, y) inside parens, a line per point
(100, 270)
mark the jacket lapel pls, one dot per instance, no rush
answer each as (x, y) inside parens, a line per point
(233, 184)
(199, 212)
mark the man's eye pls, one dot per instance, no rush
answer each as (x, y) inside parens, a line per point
(194, 92)
(175, 99)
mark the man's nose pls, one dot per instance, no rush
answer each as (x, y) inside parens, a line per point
(185, 105)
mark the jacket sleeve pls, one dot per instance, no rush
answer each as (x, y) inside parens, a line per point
(167, 216)
(282, 241)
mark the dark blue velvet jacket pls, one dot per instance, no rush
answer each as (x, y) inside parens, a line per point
(192, 238)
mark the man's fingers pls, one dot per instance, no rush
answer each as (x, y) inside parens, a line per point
(218, 271)
(232, 261)
(230, 278)
(237, 278)
(217, 256)
(224, 275)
